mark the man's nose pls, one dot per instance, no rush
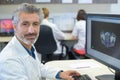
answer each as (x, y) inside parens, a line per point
(31, 29)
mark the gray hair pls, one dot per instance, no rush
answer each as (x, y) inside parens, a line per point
(25, 7)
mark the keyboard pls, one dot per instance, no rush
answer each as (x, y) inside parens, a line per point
(82, 77)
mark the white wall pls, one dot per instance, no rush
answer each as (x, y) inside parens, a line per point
(115, 8)
(7, 10)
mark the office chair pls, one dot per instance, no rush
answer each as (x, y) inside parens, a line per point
(75, 55)
(69, 48)
(46, 44)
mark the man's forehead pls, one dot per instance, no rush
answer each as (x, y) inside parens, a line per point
(29, 16)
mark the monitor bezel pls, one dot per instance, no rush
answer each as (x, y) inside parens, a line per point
(91, 52)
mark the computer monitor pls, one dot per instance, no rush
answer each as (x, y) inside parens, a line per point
(51, 20)
(6, 27)
(103, 40)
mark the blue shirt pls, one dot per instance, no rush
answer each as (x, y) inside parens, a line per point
(31, 52)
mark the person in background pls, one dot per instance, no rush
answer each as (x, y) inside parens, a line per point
(79, 33)
(19, 60)
(57, 33)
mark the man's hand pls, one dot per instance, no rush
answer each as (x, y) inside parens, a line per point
(67, 75)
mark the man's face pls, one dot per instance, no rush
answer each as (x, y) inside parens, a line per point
(27, 29)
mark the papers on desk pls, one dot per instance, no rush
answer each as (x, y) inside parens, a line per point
(84, 65)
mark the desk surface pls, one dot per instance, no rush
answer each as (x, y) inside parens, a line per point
(68, 36)
(5, 39)
(84, 66)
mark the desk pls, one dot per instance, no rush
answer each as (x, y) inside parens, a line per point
(5, 39)
(94, 70)
(69, 43)
(68, 36)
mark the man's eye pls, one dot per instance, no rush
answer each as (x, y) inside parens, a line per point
(36, 24)
(25, 24)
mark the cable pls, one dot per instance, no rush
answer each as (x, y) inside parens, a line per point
(111, 70)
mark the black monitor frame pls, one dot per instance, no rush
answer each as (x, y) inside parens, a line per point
(107, 60)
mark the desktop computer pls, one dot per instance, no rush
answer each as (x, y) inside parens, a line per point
(103, 42)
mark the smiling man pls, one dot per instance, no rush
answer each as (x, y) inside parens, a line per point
(19, 60)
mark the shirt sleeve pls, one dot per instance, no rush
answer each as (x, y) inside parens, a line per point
(58, 74)
(49, 72)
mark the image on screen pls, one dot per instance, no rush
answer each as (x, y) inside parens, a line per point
(6, 27)
(51, 20)
(106, 38)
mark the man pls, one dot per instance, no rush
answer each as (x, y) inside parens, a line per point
(18, 60)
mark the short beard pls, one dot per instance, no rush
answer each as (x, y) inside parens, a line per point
(28, 42)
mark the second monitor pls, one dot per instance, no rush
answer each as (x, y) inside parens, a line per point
(103, 40)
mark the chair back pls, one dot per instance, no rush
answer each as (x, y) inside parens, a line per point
(45, 43)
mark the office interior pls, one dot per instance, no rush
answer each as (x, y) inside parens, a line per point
(62, 9)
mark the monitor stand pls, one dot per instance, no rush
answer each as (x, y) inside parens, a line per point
(109, 76)
(105, 77)
(117, 75)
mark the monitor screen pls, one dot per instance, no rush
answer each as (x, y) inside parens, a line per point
(6, 27)
(51, 20)
(103, 39)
